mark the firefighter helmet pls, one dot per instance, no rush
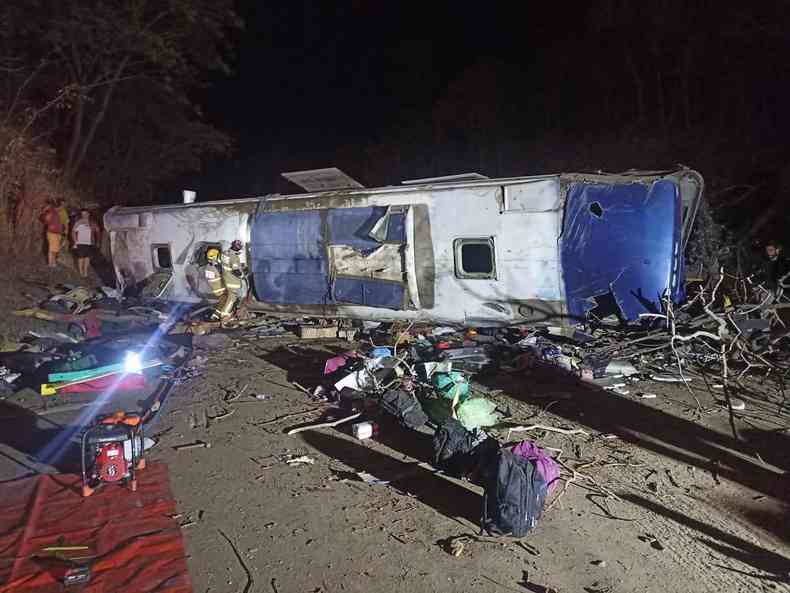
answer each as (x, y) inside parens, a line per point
(212, 254)
(236, 245)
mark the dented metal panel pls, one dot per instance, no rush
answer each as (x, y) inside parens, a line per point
(328, 256)
(385, 262)
(420, 263)
(620, 241)
(535, 196)
(329, 178)
(525, 253)
(183, 230)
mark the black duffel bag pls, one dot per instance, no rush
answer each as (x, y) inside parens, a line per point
(405, 407)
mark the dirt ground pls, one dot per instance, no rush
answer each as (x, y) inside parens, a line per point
(662, 498)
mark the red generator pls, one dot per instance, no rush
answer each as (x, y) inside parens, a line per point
(112, 451)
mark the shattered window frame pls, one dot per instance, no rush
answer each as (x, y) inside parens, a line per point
(157, 260)
(460, 272)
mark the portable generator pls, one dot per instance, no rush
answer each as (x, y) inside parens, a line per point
(112, 451)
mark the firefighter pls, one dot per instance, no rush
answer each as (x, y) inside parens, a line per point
(233, 273)
(213, 274)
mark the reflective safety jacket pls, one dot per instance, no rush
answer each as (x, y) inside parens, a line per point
(231, 270)
(213, 274)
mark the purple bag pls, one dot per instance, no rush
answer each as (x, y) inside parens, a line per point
(547, 467)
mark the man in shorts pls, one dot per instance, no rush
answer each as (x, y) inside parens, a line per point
(55, 229)
(84, 235)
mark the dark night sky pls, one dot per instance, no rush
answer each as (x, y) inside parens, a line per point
(373, 87)
(312, 77)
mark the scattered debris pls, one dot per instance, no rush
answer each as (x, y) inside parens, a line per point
(315, 332)
(250, 580)
(653, 541)
(371, 479)
(195, 445)
(222, 416)
(232, 397)
(302, 459)
(330, 424)
(568, 431)
(420, 375)
(364, 430)
(289, 415)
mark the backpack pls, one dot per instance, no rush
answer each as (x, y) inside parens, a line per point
(405, 407)
(514, 495)
(461, 453)
(452, 447)
(547, 467)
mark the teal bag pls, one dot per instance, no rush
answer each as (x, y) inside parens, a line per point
(447, 384)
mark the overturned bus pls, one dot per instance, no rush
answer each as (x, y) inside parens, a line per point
(476, 252)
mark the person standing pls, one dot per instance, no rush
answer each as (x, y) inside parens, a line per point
(775, 265)
(55, 229)
(232, 274)
(213, 274)
(84, 236)
(63, 214)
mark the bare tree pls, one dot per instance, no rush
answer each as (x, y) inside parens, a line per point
(94, 47)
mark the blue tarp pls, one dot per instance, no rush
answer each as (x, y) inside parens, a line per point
(621, 239)
(290, 263)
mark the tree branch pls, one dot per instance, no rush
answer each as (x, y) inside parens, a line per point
(83, 150)
(12, 108)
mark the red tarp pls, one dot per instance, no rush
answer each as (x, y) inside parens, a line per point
(116, 382)
(138, 548)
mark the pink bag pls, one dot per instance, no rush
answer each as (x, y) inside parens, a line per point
(547, 467)
(336, 362)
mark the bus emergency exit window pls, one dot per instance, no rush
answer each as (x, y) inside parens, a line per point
(474, 258)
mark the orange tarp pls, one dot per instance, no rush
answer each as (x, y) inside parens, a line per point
(137, 546)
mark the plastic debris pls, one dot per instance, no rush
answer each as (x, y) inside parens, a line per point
(452, 385)
(371, 479)
(477, 412)
(621, 367)
(364, 430)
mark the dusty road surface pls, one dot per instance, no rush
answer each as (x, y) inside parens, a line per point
(656, 495)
